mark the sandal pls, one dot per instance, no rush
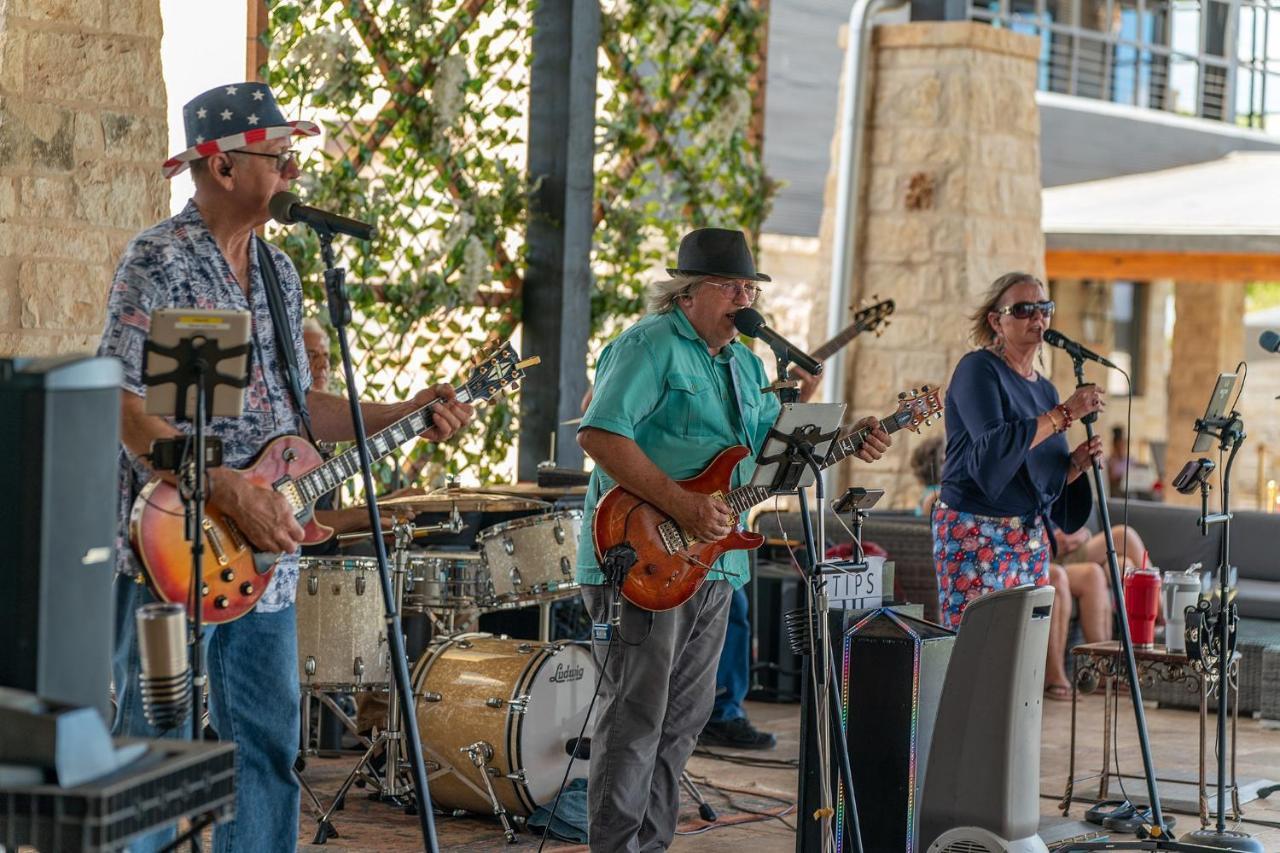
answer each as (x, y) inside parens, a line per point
(1058, 692)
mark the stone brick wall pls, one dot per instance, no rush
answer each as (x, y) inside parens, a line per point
(951, 201)
(82, 136)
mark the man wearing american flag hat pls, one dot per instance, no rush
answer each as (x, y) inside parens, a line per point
(206, 257)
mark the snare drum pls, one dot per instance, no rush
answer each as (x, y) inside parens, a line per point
(532, 558)
(524, 701)
(446, 580)
(342, 638)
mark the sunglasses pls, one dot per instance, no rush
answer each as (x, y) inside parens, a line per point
(1027, 310)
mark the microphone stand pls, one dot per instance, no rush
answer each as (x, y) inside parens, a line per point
(1230, 434)
(340, 316)
(1154, 836)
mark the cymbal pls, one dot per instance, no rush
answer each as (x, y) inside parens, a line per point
(533, 490)
(465, 500)
(571, 422)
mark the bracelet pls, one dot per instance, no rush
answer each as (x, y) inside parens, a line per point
(1067, 420)
(1053, 422)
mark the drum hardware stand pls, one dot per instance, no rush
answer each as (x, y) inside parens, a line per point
(392, 595)
(1153, 836)
(481, 753)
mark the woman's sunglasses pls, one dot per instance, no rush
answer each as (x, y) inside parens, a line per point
(1026, 310)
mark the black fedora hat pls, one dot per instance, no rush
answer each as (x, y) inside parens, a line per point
(716, 251)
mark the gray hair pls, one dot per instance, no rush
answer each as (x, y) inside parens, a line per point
(311, 324)
(663, 294)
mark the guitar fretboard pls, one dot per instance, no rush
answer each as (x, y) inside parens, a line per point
(346, 465)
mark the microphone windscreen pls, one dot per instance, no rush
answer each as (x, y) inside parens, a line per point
(1054, 338)
(748, 321)
(281, 207)
(1270, 341)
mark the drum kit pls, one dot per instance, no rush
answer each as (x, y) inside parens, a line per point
(495, 713)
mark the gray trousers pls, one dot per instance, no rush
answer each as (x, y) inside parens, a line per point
(656, 694)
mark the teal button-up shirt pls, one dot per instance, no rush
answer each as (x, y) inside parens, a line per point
(657, 385)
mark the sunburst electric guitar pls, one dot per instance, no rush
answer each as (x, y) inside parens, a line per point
(236, 575)
(670, 564)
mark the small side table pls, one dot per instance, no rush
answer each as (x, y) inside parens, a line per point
(1106, 662)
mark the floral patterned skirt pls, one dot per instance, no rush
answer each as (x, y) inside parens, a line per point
(977, 554)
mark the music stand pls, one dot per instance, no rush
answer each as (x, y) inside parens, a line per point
(182, 356)
(788, 463)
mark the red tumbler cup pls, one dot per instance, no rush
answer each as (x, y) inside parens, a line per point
(1141, 604)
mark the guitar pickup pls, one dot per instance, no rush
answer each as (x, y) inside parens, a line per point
(215, 542)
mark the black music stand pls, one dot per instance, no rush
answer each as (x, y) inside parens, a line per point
(196, 361)
(794, 449)
(1153, 836)
(340, 317)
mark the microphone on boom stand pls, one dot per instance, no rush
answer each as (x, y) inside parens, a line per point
(751, 323)
(1054, 338)
(286, 208)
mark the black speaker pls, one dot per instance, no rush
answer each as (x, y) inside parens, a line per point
(774, 590)
(59, 447)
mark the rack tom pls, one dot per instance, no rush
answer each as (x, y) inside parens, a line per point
(531, 559)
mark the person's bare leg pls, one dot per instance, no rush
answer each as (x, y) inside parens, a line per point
(1088, 582)
(1055, 672)
(1129, 547)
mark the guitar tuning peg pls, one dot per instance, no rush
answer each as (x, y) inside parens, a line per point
(902, 395)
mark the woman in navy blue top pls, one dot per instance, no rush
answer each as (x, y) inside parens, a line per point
(1008, 464)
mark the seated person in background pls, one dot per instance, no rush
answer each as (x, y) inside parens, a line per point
(1083, 588)
(1086, 546)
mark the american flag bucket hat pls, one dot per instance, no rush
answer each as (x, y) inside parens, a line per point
(230, 117)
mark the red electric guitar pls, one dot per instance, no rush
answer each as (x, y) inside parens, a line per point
(670, 564)
(236, 575)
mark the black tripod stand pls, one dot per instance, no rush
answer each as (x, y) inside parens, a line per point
(340, 316)
(1212, 636)
(1153, 836)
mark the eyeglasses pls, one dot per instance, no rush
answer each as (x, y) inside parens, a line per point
(285, 159)
(1026, 310)
(731, 289)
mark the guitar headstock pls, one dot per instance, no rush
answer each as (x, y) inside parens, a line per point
(500, 372)
(874, 317)
(919, 407)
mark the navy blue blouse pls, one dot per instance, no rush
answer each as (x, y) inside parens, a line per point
(990, 467)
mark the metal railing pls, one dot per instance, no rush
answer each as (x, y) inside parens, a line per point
(1215, 60)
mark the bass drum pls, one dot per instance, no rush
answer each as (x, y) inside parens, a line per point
(524, 700)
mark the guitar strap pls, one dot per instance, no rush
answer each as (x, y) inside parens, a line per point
(280, 324)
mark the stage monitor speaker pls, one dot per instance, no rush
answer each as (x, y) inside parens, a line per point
(59, 448)
(894, 669)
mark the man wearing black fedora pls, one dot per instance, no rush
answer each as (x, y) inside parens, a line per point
(671, 392)
(208, 256)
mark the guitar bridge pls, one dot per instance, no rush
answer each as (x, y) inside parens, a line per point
(672, 539)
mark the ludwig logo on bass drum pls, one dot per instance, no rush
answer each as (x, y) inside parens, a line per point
(566, 673)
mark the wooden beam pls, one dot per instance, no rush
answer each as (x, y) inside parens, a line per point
(1143, 266)
(256, 52)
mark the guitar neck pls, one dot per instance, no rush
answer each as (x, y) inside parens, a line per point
(743, 498)
(847, 445)
(346, 465)
(837, 343)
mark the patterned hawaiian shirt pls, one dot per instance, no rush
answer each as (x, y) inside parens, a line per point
(177, 264)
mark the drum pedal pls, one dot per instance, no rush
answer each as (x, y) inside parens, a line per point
(481, 753)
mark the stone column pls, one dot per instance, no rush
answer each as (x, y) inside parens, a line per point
(951, 201)
(82, 136)
(1208, 339)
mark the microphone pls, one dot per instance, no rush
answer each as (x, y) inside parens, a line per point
(1054, 338)
(581, 747)
(166, 674)
(1269, 341)
(752, 324)
(287, 209)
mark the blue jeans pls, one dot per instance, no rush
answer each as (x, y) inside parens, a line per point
(253, 701)
(733, 675)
